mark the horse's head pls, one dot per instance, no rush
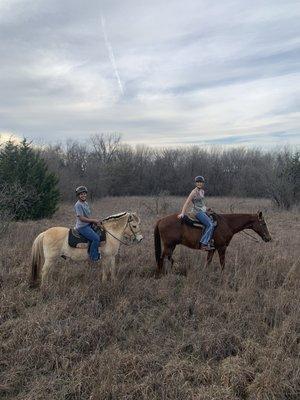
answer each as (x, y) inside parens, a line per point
(132, 230)
(260, 227)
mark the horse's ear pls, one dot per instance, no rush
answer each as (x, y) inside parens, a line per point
(260, 215)
(132, 216)
(136, 217)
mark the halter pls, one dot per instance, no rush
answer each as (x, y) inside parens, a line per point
(127, 237)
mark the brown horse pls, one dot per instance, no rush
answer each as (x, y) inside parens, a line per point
(173, 231)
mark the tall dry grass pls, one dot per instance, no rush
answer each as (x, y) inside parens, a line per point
(184, 336)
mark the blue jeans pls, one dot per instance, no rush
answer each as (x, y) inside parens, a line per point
(209, 227)
(94, 240)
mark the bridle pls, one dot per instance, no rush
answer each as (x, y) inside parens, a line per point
(248, 234)
(128, 238)
(263, 224)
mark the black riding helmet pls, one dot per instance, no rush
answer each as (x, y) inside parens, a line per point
(199, 178)
(81, 189)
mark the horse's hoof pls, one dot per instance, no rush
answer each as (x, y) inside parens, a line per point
(34, 285)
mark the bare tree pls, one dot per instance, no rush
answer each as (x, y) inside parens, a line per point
(109, 167)
(283, 181)
(105, 146)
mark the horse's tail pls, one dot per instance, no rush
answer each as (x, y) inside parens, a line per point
(157, 244)
(37, 253)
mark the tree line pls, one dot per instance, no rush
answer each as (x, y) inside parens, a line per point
(33, 179)
(111, 168)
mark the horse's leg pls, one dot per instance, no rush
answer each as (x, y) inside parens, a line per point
(222, 251)
(45, 269)
(104, 274)
(113, 268)
(170, 256)
(160, 265)
(167, 258)
(108, 268)
(105, 268)
(209, 258)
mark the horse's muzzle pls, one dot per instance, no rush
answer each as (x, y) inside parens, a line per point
(139, 238)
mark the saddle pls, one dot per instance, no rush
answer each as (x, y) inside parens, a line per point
(75, 239)
(190, 220)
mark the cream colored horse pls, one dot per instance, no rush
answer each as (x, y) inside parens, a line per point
(53, 243)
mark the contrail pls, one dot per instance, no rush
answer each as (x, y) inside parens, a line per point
(111, 55)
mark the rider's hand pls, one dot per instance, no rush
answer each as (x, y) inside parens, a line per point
(181, 215)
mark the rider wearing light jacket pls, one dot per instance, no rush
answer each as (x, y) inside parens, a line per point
(199, 210)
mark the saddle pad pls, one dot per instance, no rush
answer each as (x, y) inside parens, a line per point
(75, 239)
(191, 220)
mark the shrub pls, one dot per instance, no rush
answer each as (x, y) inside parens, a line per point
(27, 189)
(284, 185)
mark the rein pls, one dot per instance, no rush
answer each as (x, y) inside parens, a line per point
(121, 241)
(248, 234)
(253, 238)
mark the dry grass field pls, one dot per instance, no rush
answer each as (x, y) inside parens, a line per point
(185, 336)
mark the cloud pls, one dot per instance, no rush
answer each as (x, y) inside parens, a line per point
(6, 136)
(193, 71)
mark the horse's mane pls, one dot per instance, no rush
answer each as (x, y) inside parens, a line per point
(115, 216)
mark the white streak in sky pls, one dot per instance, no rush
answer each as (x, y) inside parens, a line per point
(111, 55)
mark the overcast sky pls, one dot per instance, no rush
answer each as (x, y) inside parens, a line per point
(165, 73)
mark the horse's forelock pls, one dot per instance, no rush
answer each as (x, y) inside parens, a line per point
(134, 217)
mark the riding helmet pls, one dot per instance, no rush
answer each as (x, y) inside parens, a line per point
(199, 178)
(81, 189)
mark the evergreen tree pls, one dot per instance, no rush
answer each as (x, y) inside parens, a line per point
(27, 189)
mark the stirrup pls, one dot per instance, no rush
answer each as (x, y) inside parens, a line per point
(206, 247)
